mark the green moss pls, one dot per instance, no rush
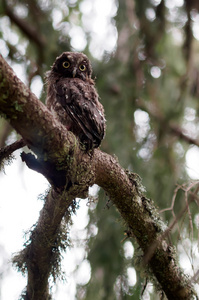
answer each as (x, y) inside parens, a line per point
(17, 106)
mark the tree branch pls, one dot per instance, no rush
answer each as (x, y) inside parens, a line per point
(5, 152)
(59, 149)
(26, 28)
(170, 127)
(41, 257)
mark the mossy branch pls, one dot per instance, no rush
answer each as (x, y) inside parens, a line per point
(58, 152)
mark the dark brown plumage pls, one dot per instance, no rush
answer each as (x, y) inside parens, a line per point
(72, 97)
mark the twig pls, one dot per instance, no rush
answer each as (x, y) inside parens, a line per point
(154, 246)
(8, 150)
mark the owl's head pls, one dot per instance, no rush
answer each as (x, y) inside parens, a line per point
(73, 65)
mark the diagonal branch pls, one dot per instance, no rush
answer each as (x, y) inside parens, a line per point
(169, 126)
(31, 32)
(8, 150)
(57, 147)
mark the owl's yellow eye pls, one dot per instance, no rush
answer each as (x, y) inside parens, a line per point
(82, 68)
(66, 64)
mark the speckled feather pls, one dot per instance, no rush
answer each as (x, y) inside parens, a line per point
(73, 99)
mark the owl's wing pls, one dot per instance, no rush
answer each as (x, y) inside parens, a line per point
(84, 112)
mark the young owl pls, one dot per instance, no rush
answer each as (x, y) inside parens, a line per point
(73, 99)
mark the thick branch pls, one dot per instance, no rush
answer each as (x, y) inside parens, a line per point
(52, 143)
(40, 255)
(144, 223)
(28, 115)
(46, 137)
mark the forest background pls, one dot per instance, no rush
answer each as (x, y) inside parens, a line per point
(145, 60)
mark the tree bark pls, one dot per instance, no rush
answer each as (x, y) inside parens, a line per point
(58, 152)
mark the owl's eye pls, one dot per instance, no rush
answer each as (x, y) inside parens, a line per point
(66, 64)
(82, 68)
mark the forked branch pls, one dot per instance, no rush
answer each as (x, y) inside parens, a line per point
(59, 149)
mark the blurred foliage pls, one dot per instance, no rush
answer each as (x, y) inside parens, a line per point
(147, 79)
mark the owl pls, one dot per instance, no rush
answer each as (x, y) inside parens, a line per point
(73, 99)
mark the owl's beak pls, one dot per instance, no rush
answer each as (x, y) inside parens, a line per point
(74, 72)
